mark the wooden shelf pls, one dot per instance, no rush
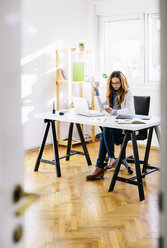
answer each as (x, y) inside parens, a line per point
(73, 82)
(62, 82)
(74, 142)
(81, 82)
(64, 63)
(75, 51)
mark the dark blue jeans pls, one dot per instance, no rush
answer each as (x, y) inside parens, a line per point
(107, 138)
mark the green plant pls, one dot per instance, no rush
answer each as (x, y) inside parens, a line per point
(104, 75)
(81, 44)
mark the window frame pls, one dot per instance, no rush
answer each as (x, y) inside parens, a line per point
(146, 36)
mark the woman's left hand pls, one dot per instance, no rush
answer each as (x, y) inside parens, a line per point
(109, 110)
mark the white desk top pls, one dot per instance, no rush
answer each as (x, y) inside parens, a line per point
(104, 121)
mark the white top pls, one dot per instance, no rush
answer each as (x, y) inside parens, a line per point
(105, 121)
(127, 106)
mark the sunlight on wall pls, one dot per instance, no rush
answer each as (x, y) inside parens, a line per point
(25, 112)
(48, 50)
(34, 63)
(29, 29)
(26, 84)
(26, 89)
(51, 70)
(50, 102)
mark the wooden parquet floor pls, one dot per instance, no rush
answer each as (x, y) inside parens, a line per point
(73, 212)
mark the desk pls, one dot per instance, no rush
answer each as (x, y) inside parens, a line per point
(107, 121)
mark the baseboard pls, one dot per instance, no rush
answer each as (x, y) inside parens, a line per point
(129, 144)
(37, 148)
(144, 146)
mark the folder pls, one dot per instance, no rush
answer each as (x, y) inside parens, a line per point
(78, 72)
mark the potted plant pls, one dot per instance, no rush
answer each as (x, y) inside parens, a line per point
(81, 46)
(104, 75)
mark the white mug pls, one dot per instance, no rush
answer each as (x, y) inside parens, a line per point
(96, 84)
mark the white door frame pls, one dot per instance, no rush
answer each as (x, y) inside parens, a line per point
(163, 175)
(11, 149)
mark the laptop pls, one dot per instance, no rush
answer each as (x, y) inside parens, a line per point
(81, 107)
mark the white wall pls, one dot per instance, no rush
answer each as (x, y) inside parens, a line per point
(60, 24)
(46, 25)
(121, 7)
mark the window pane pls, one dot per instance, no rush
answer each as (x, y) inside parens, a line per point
(153, 47)
(123, 47)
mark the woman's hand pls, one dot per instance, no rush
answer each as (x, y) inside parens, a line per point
(109, 110)
(95, 89)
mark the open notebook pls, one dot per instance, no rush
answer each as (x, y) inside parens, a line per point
(130, 121)
(81, 107)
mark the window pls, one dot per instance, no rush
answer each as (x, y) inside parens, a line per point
(132, 45)
(153, 45)
(123, 40)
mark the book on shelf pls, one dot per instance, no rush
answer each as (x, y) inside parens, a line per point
(62, 74)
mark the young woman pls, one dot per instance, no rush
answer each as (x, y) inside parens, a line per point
(120, 100)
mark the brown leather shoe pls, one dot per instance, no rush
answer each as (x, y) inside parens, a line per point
(96, 176)
(111, 165)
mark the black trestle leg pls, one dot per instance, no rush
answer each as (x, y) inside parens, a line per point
(157, 133)
(137, 167)
(125, 163)
(55, 148)
(83, 144)
(42, 147)
(147, 152)
(121, 155)
(69, 141)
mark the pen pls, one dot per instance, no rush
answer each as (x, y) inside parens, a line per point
(53, 110)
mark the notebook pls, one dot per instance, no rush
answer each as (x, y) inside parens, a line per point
(81, 107)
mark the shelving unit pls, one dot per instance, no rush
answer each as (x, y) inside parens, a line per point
(66, 74)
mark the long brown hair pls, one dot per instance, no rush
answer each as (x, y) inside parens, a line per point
(122, 90)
